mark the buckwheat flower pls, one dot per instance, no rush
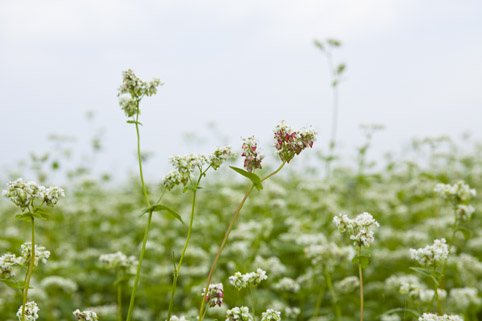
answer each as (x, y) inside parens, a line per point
(215, 295)
(172, 179)
(431, 254)
(51, 195)
(252, 154)
(176, 318)
(329, 254)
(85, 315)
(31, 311)
(238, 314)
(7, 263)
(41, 254)
(21, 193)
(360, 228)
(289, 142)
(435, 317)
(459, 192)
(241, 281)
(271, 315)
(118, 260)
(288, 285)
(128, 105)
(348, 284)
(463, 298)
(464, 212)
(219, 156)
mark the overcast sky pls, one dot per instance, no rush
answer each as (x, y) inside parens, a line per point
(414, 66)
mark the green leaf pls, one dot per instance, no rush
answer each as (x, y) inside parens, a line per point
(14, 284)
(161, 208)
(428, 273)
(364, 260)
(41, 213)
(191, 188)
(27, 217)
(133, 122)
(465, 231)
(255, 179)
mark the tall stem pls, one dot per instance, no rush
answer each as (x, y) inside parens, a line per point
(119, 301)
(148, 225)
(30, 270)
(319, 300)
(178, 268)
(439, 307)
(333, 294)
(211, 272)
(361, 284)
(252, 302)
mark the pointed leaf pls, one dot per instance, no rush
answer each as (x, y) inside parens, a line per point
(41, 213)
(161, 208)
(133, 122)
(14, 284)
(255, 179)
(27, 217)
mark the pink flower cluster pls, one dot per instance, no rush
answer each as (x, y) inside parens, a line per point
(252, 155)
(289, 142)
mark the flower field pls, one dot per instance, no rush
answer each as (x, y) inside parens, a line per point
(292, 240)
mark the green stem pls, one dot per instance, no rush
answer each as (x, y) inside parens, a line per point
(252, 302)
(119, 301)
(439, 307)
(148, 225)
(319, 300)
(333, 294)
(223, 243)
(178, 268)
(358, 250)
(30, 270)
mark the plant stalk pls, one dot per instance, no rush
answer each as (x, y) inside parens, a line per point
(29, 272)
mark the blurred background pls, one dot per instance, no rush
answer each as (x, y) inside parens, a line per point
(233, 69)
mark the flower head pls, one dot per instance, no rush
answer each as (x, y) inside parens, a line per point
(289, 142)
(458, 193)
(271, 315)
(241, 281)
(360, 228)
(85, 315)
(118, 260)
(215, 295)
(431, 254)
(7, 262)
(435, 317)
(31, 311)
(238, 314)
(41, 254)
(251, 153)
(24, 194)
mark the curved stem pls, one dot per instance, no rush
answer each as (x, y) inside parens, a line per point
(361, 285)
(333, 294)
(319, 300)
(30, 270)
(148, 225)
(178, 268)
(211, 272)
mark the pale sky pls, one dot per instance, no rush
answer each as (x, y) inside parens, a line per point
(414, 66)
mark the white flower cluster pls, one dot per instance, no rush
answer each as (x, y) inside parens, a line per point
(41, 254)
(348, 284)
(288, 285)
(360, 228)
(31, 311)
(58, 282)
(463, 298)
(238, 314)
(271, 315)
(405, 284)
(215, 294)
(24, 194)
(464, 212)
(133, 89)
(7, 262)
(289, 142)
(431, 254)
(435, 317)
(252, 154)
(241, 281)
(459, 192)
(176, 318)
(184, 166)
(85, 315)
(118, 260)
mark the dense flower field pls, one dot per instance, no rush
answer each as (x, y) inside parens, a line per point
(302, 245)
